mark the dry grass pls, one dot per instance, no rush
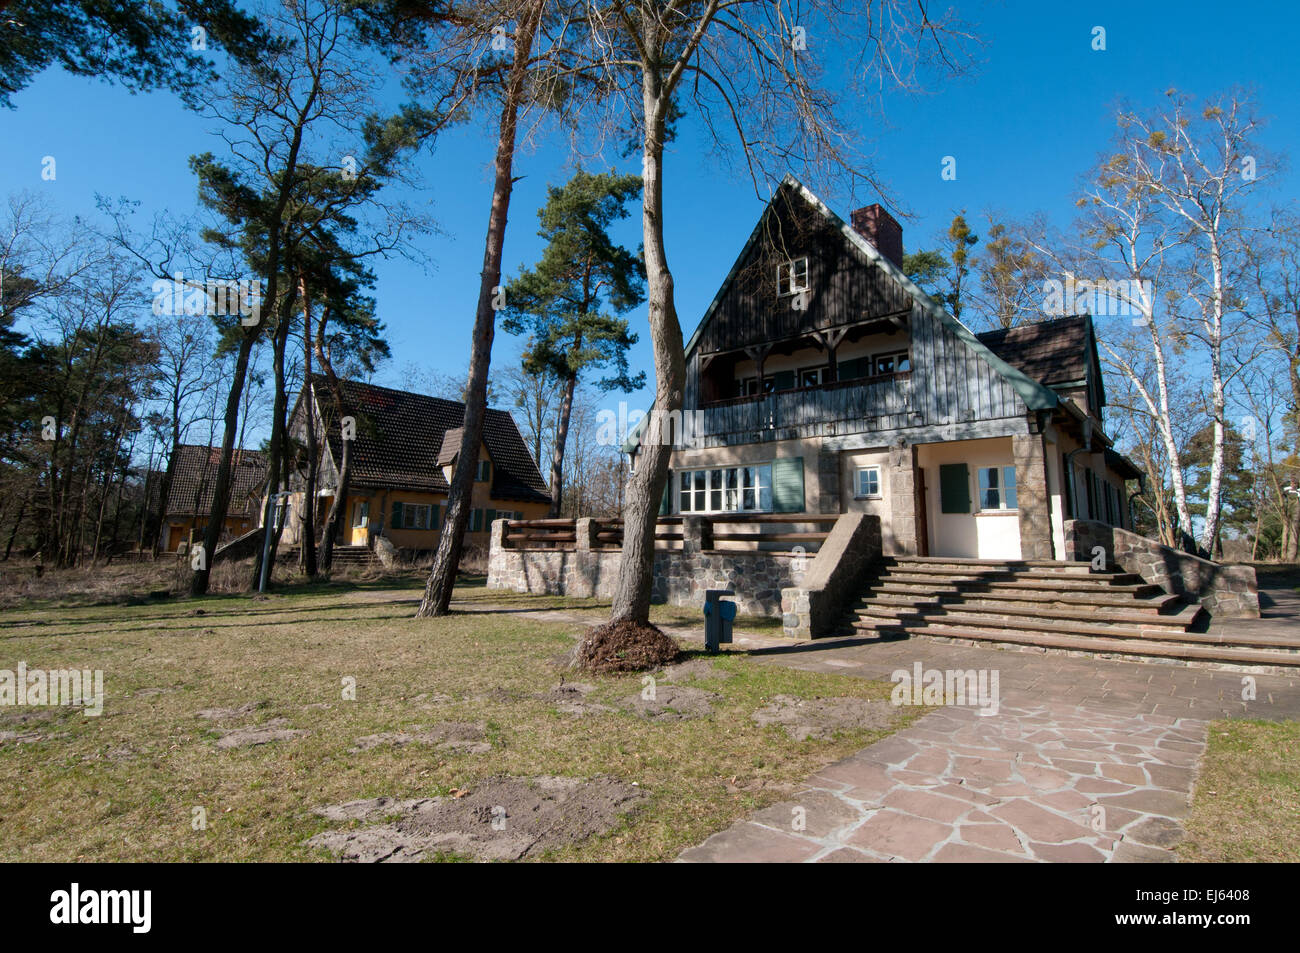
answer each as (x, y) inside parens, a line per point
(1246, 806)
(125, 786)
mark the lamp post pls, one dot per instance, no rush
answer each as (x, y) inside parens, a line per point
(276, 507)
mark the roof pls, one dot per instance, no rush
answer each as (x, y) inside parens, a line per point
(400, 437)
(450, 446)
(194, 477)
(1053, 352)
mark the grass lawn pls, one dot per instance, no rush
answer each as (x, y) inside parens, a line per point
(1246, 806)
(124, 786)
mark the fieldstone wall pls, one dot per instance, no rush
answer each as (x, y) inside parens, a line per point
(680, 576)
(1225, 591)
(1031, 496)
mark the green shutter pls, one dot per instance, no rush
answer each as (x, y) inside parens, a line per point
(666, 501)
(397, 516)
(491, 515)
(787, 485)
(954, 488)
(782, 380)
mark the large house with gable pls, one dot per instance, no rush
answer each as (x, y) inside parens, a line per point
(821, 379)
(404, 446)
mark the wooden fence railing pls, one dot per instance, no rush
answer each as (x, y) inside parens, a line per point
(711, 533)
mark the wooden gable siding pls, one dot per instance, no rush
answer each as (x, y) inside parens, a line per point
(844, 287)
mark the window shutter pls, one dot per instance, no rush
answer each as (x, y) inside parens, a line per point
(397, 516)
(487, 521)
(787, 485)
(954, 488)
(782, 380)
(666, 501)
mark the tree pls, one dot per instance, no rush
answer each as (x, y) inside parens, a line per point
(560, 302)
(1011, 274)
(306, 152)
(133, 41)
(744, 64)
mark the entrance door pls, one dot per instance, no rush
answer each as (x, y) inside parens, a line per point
(360, 522)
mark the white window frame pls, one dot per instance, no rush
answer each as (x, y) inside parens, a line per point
(895, 356)
(1002, 470)
(426, 522)
(859, 491)
(724, 489)
(820, 370)
(787, 277)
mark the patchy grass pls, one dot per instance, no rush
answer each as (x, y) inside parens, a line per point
(1246, 806)
(126, 785)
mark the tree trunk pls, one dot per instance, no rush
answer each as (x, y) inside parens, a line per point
(277, 471)
(221, 489)
(561, 437)
(336, 512)
(308, 536)
(442, 575)
(646, 485)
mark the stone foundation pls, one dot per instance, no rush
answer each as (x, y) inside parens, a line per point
(680, 576)
(1230, 592)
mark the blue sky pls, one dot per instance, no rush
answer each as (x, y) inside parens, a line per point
(1024, 127)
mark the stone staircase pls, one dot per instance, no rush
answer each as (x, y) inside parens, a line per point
(1055, 606)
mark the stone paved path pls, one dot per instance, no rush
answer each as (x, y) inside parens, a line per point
(1032, 783)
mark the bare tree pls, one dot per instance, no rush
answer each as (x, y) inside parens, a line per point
(751, 72)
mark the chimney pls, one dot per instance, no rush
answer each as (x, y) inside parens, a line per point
(881, 229)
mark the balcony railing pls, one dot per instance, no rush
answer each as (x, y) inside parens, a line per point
(829, 403)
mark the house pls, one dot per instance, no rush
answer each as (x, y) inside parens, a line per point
(189, 500)
(822, 380)
(404, 446)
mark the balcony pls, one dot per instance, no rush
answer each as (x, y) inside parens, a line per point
(810, 410)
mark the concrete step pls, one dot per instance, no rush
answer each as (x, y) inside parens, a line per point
(1108, 596)
(925, 619)
(971, 572)
(1025, 581)
(1147, 647)
(1185, 615)
(958, 562)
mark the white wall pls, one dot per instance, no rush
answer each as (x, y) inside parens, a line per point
(990, 535)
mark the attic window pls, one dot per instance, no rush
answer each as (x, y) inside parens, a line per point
(792, 277)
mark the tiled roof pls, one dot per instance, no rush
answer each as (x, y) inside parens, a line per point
(195, 475)
(1052, 352)
(400, 436)
(450, 446)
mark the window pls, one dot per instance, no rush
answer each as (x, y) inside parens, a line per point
(361, 513)
(868, 482)
(792, 277)
(725, 490)
(747, 387)
(997, 488)
(475, 521)
(892, 363)
(412, 516)
(812, 376)
(484, 471)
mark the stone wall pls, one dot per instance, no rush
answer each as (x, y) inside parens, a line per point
(850, 554)
(1225, 591)
(680, 576)
(1031, 497)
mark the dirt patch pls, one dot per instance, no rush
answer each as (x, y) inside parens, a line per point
(254, 735)
(230, 714)
(570, 698)
(804, 718)
(501, 819)
(432, 698)
(463, 737)
(625, 647)
(694, 668)
(672, 703)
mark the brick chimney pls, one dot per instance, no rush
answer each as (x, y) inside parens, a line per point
(881, 229)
